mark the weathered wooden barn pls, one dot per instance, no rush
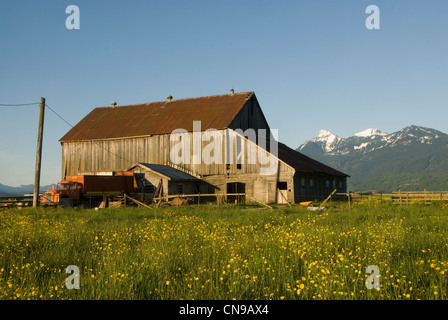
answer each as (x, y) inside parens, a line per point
(222, 140)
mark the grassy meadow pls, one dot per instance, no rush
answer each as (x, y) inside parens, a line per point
(225, 253)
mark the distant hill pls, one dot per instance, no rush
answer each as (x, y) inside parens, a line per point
(8, 191)
(414, 158)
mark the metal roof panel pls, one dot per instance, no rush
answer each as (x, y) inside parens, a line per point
(214, 112)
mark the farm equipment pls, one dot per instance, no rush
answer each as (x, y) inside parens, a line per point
(88, 189)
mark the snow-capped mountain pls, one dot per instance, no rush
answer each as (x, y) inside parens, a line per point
(329, 141)
(368, 140)
(371, 154)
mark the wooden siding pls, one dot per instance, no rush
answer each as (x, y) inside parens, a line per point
(120, 154)
(317, 186)
(240, 158)
(262, 188)
(250, 117)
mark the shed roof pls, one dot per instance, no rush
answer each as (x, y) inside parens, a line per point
(214, 112)
(302, 163)
(167, 171)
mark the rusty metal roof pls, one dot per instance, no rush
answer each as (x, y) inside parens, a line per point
(214, 112)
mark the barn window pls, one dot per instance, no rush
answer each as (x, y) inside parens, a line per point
(180, 189)
(282, 185)
(303, 182)
(328, 183)
(311, 183)
(340, 184)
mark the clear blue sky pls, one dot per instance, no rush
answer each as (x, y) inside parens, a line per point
(312, 64)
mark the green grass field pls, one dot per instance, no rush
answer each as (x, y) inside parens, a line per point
(225, 253)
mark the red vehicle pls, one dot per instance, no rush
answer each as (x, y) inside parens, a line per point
(73, 190)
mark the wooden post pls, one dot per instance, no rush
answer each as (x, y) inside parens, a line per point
(238, 199)
(39, 153)
(349, 203)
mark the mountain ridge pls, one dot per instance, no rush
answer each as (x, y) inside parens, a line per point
(9, 191)
(413, 158)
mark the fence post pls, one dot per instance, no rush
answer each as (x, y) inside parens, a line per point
(238, 199)
(349, 203)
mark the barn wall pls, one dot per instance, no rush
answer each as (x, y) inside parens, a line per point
(232, 154)
(240, 157)
(262, 188)
(317, 186)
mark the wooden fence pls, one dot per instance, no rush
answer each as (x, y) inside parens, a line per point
(15, 202)
(180, 199)
(411, 197)
(397, 197)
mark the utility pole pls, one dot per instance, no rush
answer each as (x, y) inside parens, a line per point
(40, 134)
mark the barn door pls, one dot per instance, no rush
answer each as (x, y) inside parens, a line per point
(282, 192)
(236, 187)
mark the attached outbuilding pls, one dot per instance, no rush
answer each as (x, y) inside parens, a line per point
(168, 180)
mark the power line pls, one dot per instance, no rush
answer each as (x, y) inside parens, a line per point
(60, 117)
(19, 104)
(68, 123)
(101, 146)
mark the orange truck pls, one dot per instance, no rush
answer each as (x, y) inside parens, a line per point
(74, 190)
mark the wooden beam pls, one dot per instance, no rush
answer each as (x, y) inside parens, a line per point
(137, 202)
(325, 201)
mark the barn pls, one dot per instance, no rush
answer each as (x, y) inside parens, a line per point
(217, 144)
